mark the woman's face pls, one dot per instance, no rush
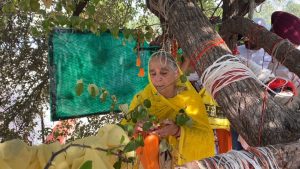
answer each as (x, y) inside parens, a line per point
(163, 76)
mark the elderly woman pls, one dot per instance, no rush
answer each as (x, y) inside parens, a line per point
(170, 96)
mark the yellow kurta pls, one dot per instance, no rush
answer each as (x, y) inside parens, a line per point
(196, 141)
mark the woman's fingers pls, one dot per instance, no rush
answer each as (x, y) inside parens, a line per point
(167, 130)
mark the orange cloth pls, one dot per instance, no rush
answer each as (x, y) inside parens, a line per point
(224, 140)
(149, 154)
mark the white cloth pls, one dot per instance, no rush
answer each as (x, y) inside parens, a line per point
(257, 61)
(260, 57)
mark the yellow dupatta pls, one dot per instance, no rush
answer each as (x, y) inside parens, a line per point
(196, 141)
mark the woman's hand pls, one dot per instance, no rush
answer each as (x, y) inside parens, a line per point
(168, 128)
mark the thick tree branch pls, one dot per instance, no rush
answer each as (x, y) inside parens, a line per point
(286, 53)
(79, 7)
(241, 101)
(233, 8)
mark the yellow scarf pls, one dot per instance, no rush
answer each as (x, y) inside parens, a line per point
(196, 141)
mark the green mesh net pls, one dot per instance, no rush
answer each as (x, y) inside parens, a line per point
(103, 60)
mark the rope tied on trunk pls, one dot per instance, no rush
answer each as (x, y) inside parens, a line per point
(257, 158)
(224, 71)
(275, 48)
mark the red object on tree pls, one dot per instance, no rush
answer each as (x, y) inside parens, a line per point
(283, 84)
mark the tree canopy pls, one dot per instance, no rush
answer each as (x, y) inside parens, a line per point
(24, 29)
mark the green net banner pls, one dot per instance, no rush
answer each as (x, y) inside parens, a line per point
(104, 60)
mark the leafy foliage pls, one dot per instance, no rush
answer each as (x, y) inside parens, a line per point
(24, 27)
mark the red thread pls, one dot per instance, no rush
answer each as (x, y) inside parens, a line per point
(174, 48)
(230, 77)
(211, 44)
(264, 104)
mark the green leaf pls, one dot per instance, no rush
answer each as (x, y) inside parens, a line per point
(79, 87)
(152, 118)
(148, 36)
(93, 28)
(35, 5)
(61, 19)
(181, 111)
(93, 90)
(58, 6)
(87, 165)
(149, 29)
(131, 146)
(139, 141)
(142, 115)
(103, 27)
(122, 139)
(115, 31)
(95, 1)
(103, 96)
(118, 164)
(90, 10)
(70, 6)
(126, 33)
(134, 115)
(181, 118)
(183, 78)
(8, 7)
(147, 125)
(130, 129)
(147, 103)
(75, 20)
(25, 5)
(35, 32)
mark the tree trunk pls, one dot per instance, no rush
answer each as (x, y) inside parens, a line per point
(241, 101)
(286, 54)
(285, 157)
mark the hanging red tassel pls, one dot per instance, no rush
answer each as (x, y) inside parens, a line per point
(138, 61)
(141, 72)
(174, 48)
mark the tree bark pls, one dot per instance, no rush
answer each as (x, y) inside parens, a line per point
(79, 7)
(241, 101)
(286, 54)
(232, 8)
(285, 155)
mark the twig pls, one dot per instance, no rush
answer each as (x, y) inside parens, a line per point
(119, 153)
(215, 10)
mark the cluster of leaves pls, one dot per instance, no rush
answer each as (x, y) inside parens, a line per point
(24, 79)
(266, 9)
(24, 27)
